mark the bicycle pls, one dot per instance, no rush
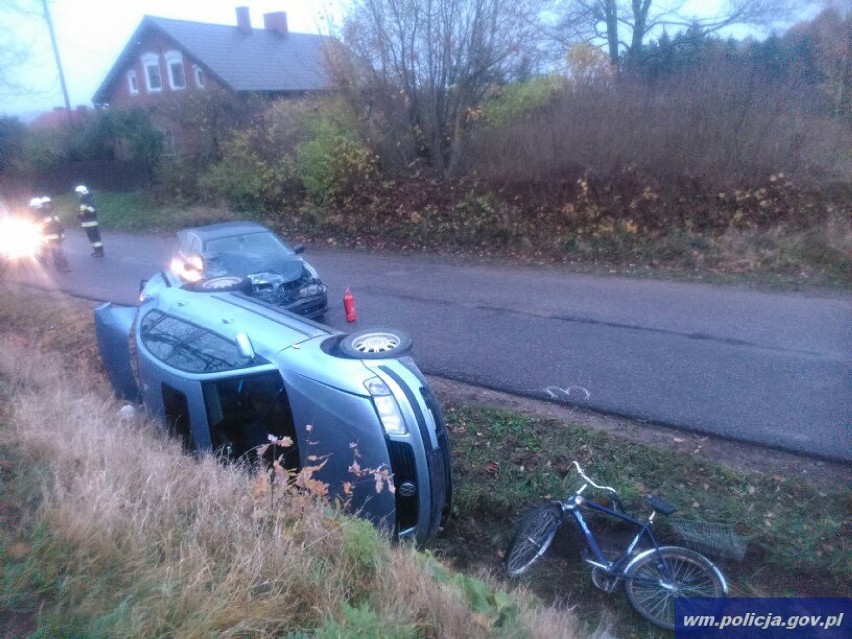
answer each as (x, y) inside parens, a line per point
(653, 578)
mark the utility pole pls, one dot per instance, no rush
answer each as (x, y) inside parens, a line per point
(58, 61)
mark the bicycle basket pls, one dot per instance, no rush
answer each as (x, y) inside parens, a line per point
(711, 538)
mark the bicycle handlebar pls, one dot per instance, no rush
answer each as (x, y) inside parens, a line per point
(609, 489)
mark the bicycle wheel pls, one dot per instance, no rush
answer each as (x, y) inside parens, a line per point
(653, 580)
(532, 538)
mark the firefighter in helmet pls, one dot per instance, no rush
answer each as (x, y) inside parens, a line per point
(88, 216)
(53, 233)
(33, 211)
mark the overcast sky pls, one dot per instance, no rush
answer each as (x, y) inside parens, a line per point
(91, 34)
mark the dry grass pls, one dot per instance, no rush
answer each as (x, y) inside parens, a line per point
(144, 541)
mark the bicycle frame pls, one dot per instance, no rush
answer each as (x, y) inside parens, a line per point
(575, 506)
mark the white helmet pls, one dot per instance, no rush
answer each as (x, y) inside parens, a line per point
(82, 190)
(35, 202)
(46, 200)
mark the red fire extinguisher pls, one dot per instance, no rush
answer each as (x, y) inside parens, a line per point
(349, 306)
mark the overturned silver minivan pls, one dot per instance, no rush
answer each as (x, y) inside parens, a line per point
(227, 373)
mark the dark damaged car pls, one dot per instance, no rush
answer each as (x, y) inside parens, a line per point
(247, 256)
(226, 372)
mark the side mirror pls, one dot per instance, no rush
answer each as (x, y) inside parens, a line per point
(244, 346)
(299, 249)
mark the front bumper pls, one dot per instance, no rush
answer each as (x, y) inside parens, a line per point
(420, 460)
(310, 307)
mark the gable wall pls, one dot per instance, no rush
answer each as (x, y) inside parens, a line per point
(153, 43)
(185, 141)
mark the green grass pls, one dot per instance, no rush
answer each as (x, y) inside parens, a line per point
(506, 463)
(138, 211)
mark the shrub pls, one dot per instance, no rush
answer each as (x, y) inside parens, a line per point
(334, 162)
(512, 102)
(248, 182)
(290, 148)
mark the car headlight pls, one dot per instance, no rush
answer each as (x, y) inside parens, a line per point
(311, 290)
(189, 271)
(386, 407)
(19, 238)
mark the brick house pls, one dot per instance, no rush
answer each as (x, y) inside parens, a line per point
(167, 59)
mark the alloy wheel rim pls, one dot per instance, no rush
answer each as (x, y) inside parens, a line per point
(376, 343)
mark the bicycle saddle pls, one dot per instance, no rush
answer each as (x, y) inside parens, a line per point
(660, 506)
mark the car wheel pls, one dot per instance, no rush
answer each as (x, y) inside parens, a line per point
(221, 284)
(376, 344)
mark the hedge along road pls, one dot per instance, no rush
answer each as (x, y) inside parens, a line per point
(768, 368)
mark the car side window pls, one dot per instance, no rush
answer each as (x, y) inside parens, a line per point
(188, 347)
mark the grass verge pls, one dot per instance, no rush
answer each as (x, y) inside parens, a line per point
(777, 257)
(138, 211)
(506, 463)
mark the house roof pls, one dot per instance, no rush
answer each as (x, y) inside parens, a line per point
(58, 118)
(262, 60)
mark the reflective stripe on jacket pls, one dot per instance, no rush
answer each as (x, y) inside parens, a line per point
(88, 215)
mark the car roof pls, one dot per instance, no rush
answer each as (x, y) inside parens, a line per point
(224, 229)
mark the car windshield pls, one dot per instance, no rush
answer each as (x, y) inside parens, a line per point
(255, 243)
(249, 254)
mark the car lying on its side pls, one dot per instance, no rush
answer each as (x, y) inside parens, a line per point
(227, 373)
(268, 268)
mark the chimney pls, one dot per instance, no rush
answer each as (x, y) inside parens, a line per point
(243, 19)
(276, 21)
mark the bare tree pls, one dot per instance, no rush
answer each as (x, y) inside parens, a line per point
(625, 25)
(436, 59)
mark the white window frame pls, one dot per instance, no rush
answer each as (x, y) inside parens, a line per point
(175, 57)
(152, 60)
(132, 82)
(199, 75)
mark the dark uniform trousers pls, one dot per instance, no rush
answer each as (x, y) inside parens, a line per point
(89, 221)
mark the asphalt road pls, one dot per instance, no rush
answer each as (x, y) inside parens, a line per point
(768, 368)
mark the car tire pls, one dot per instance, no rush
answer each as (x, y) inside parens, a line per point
(377, 343)
(223, 284)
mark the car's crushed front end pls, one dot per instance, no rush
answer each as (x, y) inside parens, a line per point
(369, 427)
(305, 295)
